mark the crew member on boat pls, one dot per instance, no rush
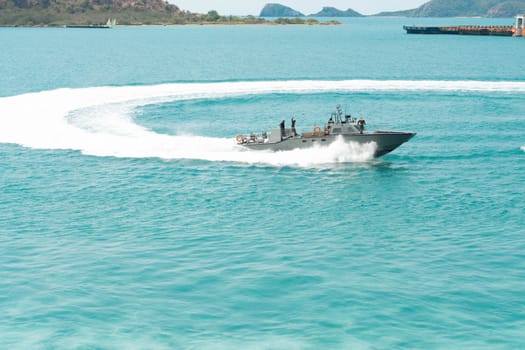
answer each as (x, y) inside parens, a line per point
(361, 123)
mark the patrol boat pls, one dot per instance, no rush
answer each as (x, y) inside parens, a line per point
(338, 126)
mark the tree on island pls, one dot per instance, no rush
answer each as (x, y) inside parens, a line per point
(213, 16)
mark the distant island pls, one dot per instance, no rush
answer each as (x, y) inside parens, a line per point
(463, 8)
(95, 13)
(278, 10)
(333, 12)
(433, 8)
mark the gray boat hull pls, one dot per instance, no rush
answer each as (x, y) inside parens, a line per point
(385, 141)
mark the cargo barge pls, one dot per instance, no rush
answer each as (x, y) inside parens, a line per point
(462, 30)
(515, 30)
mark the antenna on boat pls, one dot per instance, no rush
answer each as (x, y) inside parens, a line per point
(338, 113)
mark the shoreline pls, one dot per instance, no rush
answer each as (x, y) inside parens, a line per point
(81, 26)
(259, 22)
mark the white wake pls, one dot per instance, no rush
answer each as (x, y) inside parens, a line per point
(98, 121)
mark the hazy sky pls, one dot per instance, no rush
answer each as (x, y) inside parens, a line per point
(253, 7)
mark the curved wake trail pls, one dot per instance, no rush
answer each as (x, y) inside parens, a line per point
(103, 124)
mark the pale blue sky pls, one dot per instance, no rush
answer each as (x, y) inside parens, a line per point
(253, 7)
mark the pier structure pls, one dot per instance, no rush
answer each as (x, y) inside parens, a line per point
(520, 25)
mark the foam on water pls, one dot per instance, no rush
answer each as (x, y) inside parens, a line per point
(99, 120)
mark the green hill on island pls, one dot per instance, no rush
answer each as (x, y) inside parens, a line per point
(278, 10)
(86, 12)
(333, 12)
(464, 8)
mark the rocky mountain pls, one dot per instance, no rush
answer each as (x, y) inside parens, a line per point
(507, 9)
(278, 10)
(464, 8)
(333, 12)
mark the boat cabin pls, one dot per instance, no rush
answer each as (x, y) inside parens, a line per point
(338, 124)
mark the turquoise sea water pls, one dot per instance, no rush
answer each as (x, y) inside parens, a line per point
(129, 218)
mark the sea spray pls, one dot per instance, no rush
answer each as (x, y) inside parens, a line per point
(99, 120)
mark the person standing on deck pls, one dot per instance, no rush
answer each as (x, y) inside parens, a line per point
(361, 123)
